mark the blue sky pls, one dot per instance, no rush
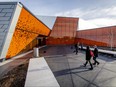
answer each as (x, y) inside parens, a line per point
(100, 12)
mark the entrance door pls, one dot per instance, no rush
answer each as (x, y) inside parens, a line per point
(39, 42)
(44, 41)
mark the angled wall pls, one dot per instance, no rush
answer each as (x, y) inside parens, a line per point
(64, 31)
(9, 12)
(22, 29)
(27, 29)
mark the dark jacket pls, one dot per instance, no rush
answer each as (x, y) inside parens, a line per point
(95, 52)
(88, 55)
(76, 45)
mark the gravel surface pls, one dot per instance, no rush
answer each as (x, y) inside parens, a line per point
(16, 77)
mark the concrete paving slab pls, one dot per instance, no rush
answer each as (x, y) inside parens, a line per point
(92, 85)
(104, 75)
(39, 74)
(109, 83)
(62, 73)
(69, 69)
(57, 59)
(110, 66)
(79, 81)
(89, 75)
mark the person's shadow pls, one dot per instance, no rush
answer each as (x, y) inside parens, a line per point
(79, 69)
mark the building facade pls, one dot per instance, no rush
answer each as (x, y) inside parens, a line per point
(63, 32)
(105, 36)
(21, 30)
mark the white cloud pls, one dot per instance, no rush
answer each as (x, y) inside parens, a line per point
(100, 17)
(91, 13)
(109, 11)
(72, 13)
(86, 25)
(77, 13)
(96, 23)
(103, 22)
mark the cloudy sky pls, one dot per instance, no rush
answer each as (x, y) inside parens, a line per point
(100, 12)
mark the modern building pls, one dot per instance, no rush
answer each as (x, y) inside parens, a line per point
(105, 36)
(21, 30)
(63, 31)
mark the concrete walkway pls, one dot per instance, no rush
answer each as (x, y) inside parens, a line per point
(69, 71)
(39, 74)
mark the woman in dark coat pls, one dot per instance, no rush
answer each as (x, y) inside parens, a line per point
(95, 55)
(88, 58)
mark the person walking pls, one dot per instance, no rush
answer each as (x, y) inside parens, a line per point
(81, 46)
(88, 58)
(95, 55)
(76, 48)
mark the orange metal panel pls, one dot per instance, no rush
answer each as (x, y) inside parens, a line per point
(99, 36)
(64, 31)
(27, 29)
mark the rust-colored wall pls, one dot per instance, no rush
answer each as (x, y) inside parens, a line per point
(64, 31)
(27, 29)
(105, 36)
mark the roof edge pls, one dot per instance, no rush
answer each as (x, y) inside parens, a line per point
(5, 3)
(20, 4)
(32, 14)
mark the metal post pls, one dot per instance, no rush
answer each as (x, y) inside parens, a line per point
(36, 52)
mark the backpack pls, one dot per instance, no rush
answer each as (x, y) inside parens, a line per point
(91, 53)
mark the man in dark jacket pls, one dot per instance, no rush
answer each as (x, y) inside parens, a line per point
(76, 48)
(88, 58)
(95, 55)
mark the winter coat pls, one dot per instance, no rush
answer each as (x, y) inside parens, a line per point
(95, 52)
(88, 55)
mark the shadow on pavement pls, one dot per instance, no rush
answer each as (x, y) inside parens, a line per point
(71, 71)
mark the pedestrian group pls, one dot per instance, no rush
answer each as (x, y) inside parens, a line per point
(89, 54)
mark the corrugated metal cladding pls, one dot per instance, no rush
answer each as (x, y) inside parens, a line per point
(64, 31)
(105, 36)
(47, 20)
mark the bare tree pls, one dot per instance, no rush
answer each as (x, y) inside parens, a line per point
(110, 38)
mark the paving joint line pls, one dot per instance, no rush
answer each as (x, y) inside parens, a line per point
(96, 76)
(70, 71)
(85, 79)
